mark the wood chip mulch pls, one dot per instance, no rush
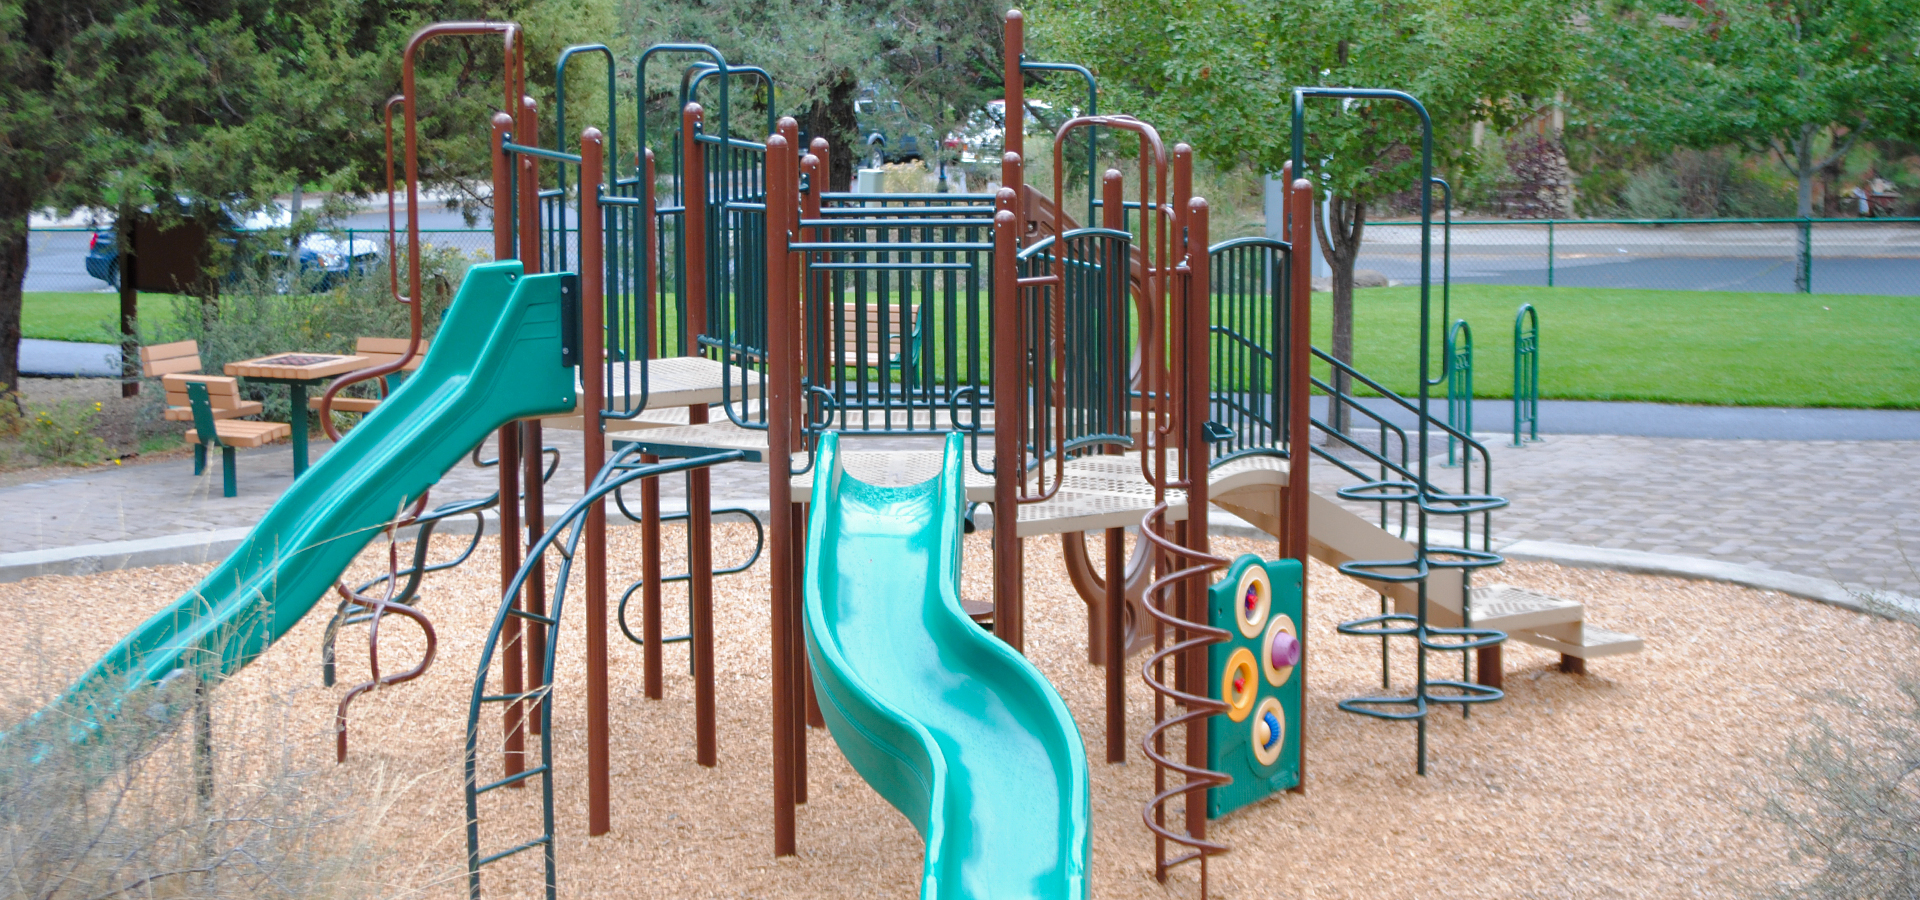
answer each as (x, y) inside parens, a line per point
(1640, 779)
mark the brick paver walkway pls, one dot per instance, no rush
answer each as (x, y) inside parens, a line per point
(1845, 511)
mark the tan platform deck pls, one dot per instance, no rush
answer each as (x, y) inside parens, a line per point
(677, 381)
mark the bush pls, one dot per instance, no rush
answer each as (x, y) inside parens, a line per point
(155, 805)
(62, 434)
(1848, 793)
(252, 318)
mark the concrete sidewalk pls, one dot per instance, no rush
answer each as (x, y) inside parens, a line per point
(1839, 511)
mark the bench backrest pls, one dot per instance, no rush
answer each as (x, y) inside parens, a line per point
(381, 351)
(169, 359)
(222, 392)
(880, 349)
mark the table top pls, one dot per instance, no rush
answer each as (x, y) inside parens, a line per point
(296, 366)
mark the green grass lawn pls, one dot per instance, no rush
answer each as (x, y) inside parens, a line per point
(1719, 348)
(85, 316)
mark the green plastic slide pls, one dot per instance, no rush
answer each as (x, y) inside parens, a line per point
(960, 733)
(497, 358)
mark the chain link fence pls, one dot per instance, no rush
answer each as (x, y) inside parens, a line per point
(1828, 256)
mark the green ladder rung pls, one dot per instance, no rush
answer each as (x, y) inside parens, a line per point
(543, 839)
(513, 779)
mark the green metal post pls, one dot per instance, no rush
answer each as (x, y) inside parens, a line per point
(1549, 253)
(1459, 366)
(1526, 374)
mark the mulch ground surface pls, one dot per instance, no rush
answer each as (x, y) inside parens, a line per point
(1640, 779)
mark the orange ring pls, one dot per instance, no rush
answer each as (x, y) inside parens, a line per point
(1276, 675)
(1268, 752)
(1252, 600)
(1239, 696)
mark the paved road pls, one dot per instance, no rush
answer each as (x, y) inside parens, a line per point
(60, 359)
(56, 260)
(1848, 259)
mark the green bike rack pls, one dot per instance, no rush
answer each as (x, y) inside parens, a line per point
(1526, 374)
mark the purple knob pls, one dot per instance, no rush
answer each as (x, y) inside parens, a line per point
(1285, 650)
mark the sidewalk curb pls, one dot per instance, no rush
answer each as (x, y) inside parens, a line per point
(207, 546)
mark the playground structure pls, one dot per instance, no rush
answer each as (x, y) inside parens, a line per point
(987, 347)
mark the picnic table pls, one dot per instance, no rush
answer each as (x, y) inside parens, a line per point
(297, 371)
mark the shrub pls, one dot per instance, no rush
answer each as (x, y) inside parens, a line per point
(173, 798)
(253, 318)
(1848, 792)
(62, 434)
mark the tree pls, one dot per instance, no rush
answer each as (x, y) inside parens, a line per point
(939, 58)
(1802, 80)
(171, 111)
(1219, 74)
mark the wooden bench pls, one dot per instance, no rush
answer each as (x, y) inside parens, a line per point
(379, 352)
(899, 327)
(226, 434)
(178, 363)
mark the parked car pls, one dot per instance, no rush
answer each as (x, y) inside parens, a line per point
(887, 133)
(324, 260)
(983, 136)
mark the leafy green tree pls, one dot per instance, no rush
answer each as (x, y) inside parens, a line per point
(171, 111)
(1802, 80)
(1219, 75)
(939, 58)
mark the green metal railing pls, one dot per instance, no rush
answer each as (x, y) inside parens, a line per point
(1526, 374)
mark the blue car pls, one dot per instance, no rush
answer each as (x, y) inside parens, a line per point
(325, 260)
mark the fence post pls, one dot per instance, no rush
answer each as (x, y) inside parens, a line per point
(1526, 374)
(1549, 253)
(1459, 385)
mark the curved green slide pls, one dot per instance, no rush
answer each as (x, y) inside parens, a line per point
(960, 733)
(496, 358)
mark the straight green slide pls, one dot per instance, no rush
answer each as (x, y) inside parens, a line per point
(960, 733)
(496, 358)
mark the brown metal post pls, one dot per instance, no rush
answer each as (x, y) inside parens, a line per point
(653, 677)
(699, 481)
(534, 516)
(511, 681)
(1299, 387)
(593, 458)
(796, 634)
(1115, 640)
(1192, 376)
(1009, 411)
(693, 193)
(782, 193)
(1013, 49)
(1187, 593)
(817, 163)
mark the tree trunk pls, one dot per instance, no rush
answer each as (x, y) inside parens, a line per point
(127, 226)
(14, 209)
(833, 118)
(1340, 244)
(1803, 171)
